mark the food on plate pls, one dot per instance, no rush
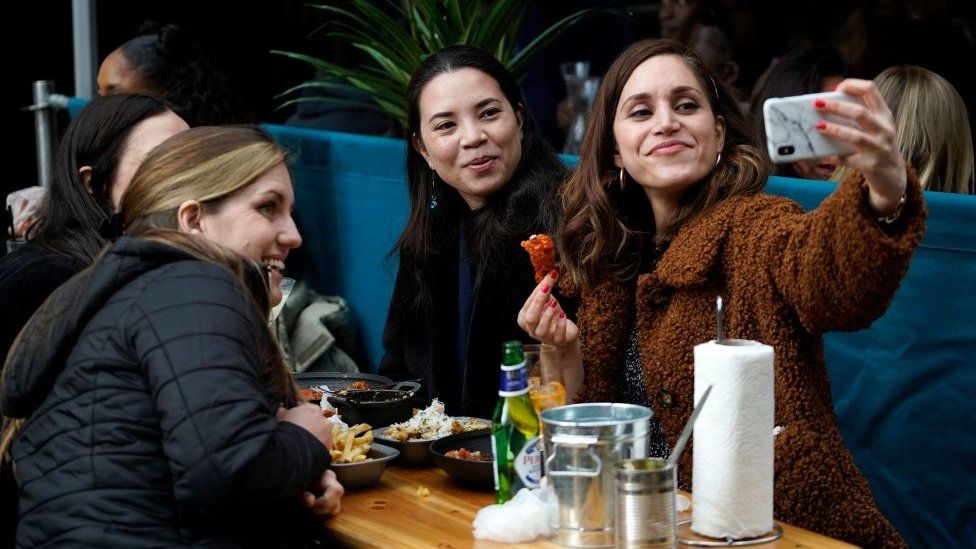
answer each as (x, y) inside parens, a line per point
(542, 253)
(312, 394)
(350, 445)
(463, 453)
(431, 423)
(356, 385)
(423, 491)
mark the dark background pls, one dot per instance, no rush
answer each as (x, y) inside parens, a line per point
(35, 37)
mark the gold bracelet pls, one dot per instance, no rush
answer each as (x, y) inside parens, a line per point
(889, 219)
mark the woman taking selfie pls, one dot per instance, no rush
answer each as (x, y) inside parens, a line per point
(480, 180)
(158, 410)
(664, 213)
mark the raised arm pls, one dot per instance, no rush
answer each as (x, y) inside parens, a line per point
(542, 318)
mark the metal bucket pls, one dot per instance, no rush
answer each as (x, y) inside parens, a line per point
(582, 443)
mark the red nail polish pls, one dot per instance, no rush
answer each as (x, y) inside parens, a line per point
(821, 125)
(554, 273)
(553, 303)
(545, 289)
(820, 103)
(562, 314)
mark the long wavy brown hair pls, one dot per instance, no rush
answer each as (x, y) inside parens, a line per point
(608, 229)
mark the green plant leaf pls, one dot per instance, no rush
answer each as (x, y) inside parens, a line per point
(397, 35)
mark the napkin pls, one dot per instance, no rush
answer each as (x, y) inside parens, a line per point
(522, 518)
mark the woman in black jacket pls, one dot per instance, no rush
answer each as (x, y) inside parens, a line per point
(480, 180)
(95, 162)
(158, 410)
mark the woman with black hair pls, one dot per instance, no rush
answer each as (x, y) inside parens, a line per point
(167, 62)
(812, 69)
(480, 180)
(95, 162)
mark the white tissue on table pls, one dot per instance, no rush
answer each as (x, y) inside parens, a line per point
(523, 518)
(682, 503)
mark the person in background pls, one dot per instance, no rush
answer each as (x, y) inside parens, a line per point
(806, 70)
(932, 126)
(664, 212)
(166, 61)
(678, 17)
(480, 180)
(100, 152)
(163, 61)
(160, 354)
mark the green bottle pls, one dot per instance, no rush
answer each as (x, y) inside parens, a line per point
(515, 428)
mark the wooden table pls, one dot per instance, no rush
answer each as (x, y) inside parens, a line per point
(393, 515)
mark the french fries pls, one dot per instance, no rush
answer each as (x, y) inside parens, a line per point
(351, 445)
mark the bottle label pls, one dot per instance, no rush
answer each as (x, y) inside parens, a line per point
(514, 380)
(528, 463)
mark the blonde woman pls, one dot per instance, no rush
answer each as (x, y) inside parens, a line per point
(932, 126)
(158, 410)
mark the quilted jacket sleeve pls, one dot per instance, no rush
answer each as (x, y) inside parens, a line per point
(837, 266)
(195, 335)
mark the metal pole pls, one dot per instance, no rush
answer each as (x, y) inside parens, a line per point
(43, 130)
(83, 26)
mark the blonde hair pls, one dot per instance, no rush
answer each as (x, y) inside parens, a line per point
(932, 126)
(206, 164)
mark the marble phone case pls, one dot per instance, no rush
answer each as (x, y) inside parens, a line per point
(791, 132)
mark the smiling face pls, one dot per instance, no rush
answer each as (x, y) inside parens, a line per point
(667, 137)
(256, 222)
(143, 138)
(469, 133)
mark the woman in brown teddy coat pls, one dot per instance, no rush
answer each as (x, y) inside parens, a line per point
(664, 213)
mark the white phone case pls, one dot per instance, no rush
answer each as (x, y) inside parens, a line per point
(791, 132)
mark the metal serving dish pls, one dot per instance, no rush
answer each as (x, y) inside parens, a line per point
(364, 474)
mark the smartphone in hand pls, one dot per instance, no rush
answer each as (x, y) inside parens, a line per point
(791, 127)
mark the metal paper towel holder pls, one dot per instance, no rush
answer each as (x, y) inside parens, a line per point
(683, 538)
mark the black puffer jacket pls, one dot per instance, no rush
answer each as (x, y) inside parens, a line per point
(150, 420)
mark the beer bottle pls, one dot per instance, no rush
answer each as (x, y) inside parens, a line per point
(515, 428)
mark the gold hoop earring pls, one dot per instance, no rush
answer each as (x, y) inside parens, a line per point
(623, 181)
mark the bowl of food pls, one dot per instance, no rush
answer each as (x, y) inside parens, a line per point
(466, 458)
(357, 461)
(376, 406)
(413, 437)
(366, 473)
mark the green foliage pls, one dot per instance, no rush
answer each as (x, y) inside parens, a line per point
(396, 37)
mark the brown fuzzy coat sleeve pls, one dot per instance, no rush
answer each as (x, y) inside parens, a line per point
(838, 266)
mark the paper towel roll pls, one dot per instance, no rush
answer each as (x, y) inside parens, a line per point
(732, 472)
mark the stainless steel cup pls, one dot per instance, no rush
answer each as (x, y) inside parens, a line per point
(645, 503)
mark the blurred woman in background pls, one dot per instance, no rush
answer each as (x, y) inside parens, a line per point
(932, 126)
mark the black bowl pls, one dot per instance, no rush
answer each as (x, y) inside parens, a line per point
(364, 474)
(377, 407)
(337, 380)
(476, 474)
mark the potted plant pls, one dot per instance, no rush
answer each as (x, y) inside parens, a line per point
(397, 37)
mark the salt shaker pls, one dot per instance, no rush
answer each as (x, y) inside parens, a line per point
(645, 503)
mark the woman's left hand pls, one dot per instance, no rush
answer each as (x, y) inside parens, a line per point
(877, 156)
(328, 504)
